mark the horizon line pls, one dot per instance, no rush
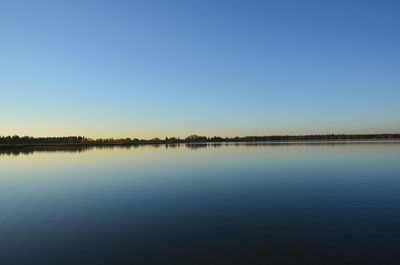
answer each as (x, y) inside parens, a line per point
(204, 136)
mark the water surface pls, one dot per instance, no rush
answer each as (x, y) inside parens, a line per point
(202, 204)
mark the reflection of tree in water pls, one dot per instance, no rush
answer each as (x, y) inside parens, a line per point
(206, 145)
(57, 149)
(28, 150)
(172, 146)
(196, 146)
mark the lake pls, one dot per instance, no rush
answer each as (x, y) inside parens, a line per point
(281, 203)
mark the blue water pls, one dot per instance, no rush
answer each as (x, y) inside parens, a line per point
(202, 204)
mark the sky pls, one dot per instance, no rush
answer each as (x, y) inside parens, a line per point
(173, 68)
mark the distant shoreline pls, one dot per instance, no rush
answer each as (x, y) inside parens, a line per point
(79, 141)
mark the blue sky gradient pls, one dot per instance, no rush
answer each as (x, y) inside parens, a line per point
(173, 68)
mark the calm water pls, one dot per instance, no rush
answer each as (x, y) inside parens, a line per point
(228, 204)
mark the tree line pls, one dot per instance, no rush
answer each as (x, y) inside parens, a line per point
(80, 140)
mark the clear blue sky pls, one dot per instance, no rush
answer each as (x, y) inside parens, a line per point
(173, 68)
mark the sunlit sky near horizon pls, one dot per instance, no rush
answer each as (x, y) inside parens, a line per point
(173, 68)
